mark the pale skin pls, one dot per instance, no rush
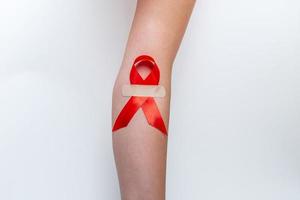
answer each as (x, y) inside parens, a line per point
(140, 150)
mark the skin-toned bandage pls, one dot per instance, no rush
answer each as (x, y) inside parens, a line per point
(142, 93)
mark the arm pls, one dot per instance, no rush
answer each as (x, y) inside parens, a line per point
(140, 150)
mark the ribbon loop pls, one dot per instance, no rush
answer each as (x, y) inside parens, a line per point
(153, 76)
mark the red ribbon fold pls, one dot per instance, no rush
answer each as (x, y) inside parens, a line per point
(147, 104)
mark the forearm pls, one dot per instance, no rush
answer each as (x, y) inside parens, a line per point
(140, 150)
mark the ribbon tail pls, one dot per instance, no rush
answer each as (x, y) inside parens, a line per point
(153, 115)
(128, 112)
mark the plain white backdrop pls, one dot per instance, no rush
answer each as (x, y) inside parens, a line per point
(235, 110)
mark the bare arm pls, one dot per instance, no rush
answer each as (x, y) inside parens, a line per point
(140, 150)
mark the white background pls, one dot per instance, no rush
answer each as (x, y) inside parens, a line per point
(235, 117)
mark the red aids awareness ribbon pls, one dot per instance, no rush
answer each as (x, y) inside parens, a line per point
(147, 104)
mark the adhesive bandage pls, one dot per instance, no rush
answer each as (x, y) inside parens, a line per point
(143, 90)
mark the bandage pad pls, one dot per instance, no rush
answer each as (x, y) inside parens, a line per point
(142, 93)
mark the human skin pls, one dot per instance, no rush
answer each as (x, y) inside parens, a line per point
(140, 150)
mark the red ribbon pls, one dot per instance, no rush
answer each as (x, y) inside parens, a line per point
(147, 104)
